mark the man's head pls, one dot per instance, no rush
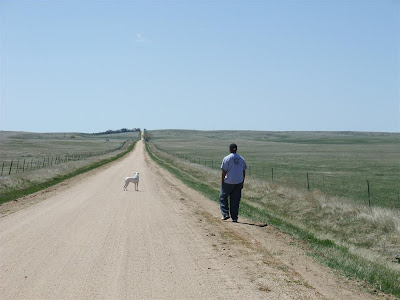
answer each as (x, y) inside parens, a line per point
(233, 148)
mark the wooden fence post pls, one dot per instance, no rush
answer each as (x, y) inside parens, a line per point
(2, 169)
(10, 167)
(272, 174)
(308, 183)
(369, 195)
(23, 169)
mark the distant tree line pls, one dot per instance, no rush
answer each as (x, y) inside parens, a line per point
(123, 130)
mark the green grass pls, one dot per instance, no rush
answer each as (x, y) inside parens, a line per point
(357, 241)
(338, 163)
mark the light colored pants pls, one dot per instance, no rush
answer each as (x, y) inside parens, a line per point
(234, 192)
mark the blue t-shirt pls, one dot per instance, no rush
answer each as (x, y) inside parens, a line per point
(234, 165)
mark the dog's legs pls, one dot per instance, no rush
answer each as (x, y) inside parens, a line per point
(126, 186)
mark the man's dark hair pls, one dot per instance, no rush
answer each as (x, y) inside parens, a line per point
(233, 147)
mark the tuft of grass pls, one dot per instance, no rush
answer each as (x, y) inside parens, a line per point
(357, 241)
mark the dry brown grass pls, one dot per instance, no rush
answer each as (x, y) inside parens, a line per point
(372, 233)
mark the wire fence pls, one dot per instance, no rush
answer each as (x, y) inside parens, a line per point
(14, 166)
(378, 192)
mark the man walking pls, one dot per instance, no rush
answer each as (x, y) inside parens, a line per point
(233, 173)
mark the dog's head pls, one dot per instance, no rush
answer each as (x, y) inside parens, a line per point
(136, 173)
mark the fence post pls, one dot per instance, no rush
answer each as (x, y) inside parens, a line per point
(2, 169)
(10, 167)
(23, 169)
(17, 167)
(272, 174)
(308, 183)
(369, 195)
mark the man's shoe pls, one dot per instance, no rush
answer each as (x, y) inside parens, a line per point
(234, 220)
(225, 217)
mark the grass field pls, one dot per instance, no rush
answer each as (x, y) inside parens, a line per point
(343, 232)
(51, 157)
(338, 163)
(26, 145)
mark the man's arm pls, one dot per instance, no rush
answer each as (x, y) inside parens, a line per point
(223, 176)
(244, 176)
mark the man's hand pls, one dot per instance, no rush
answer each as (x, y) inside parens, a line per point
(223, 176)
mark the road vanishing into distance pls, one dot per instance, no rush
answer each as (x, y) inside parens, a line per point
(86, 238)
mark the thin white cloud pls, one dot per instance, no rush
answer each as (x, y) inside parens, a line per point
(141, 39)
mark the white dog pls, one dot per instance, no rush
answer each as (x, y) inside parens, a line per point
(134, 179)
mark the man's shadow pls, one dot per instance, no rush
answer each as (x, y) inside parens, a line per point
(252, 224)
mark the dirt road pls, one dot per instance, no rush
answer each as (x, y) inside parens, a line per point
(88, 239)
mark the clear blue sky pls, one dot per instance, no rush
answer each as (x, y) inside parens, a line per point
(89, 66)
